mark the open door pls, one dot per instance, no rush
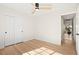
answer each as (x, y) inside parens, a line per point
(77, 31)
(77, 35)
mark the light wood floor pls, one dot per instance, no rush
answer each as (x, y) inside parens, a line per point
(19, 49)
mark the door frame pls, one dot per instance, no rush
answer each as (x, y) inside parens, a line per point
(73, 29)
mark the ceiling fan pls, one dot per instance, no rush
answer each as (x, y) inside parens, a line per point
(41, 6)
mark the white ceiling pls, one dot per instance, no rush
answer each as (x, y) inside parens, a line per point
(27, 8)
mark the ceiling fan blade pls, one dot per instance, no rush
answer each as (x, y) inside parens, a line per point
(33, 11)
(48, 8)
(42, 7)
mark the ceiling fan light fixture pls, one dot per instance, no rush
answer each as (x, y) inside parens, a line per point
(37, 9)
(36, 5)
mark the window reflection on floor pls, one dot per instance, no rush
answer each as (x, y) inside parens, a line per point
(42, 51)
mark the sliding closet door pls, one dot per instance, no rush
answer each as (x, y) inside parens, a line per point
(18, 30)
(14, 30)
(14, 33)
(6, 30)
(9, 31)
(2, 31)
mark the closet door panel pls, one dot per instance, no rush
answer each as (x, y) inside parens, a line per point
(1, 40)
(11, 30)
(18, 30)
(2, 31)
(9, 33)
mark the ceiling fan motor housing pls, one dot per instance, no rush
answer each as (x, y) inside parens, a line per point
(36, 5)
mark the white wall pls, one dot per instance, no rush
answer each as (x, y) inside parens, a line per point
(21, 22)
(48, 24)
(48, 28)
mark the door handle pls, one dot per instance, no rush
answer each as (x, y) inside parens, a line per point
(77, 34)
(5, 32)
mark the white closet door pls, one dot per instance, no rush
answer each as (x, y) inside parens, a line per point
(14, 30)
(9, 31)
(6, 28)
(18, 30)
(2, 29)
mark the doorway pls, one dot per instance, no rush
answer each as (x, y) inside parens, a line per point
(68, 31)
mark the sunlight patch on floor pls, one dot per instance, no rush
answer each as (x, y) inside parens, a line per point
(42, 51)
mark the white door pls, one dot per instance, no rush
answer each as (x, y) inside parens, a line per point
(18, 30)
(9, 31)
(77, 30)
(77, 39)
(6, 30)
(13, 32)
(2, 31)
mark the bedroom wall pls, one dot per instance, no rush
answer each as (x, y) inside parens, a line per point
(48, 26)
(23, 24)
